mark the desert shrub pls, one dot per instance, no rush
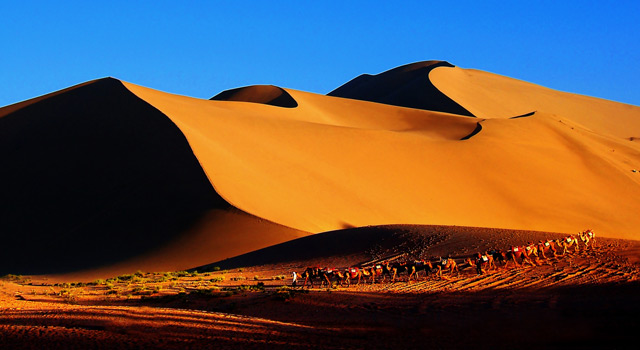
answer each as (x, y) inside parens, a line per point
(162, 279)
(139, 273)
(285, 293)
(123, 278)
(181, 274)
(217, 279)
(216, 268)
(255, 278)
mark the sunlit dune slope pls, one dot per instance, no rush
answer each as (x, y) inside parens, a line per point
(93, 176)
(489, 95)
(332, 163)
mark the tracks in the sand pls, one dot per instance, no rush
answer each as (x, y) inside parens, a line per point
(596, 266)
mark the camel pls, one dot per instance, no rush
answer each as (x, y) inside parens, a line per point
(394, 269)
(387, 270)
(517, 253)
(584, 238)
(480, 260)
(370, 273)
(327, 273)
(352, 273)
(449, 264)
(588, 238)
(311, 273)
(567, 242)
(531, 252)
(498, 257)
(592, 237)
(416, 266)
(382, 269)
(547, 246)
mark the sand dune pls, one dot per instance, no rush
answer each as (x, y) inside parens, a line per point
(266, 94)
(314, 167)
(405, 86)
(112, 173)
(95, 176)
(488, 95)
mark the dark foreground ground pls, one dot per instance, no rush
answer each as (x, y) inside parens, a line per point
(585, 299)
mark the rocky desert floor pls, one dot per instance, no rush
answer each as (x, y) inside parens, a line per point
(584, 299)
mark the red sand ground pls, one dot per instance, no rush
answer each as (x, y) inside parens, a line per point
(587, 299)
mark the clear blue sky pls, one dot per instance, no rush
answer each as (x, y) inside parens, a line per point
(199, 48)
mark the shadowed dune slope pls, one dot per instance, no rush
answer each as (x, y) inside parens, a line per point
(359, 246)
(489, 95)
(93, 176)
(406, 86)
(333, 163)
(265, 94)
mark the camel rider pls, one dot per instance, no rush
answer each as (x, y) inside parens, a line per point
(480, 260)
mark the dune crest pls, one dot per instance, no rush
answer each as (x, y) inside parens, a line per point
(316, 166)
(405, 86)
(489, 95)
(265, 94)
(97, 176)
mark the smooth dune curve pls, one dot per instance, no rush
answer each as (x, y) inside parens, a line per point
(404, 86)
(489, 95)
(93, 176)
(317, 168)
(266, 94)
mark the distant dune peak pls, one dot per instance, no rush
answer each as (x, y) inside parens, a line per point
(405, 86)
(265, 94)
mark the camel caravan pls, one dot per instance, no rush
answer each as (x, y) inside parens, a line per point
(531, 254)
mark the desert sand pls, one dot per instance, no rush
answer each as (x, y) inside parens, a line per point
(584, 299)
(431, 160)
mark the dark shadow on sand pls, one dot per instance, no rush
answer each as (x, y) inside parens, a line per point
(404, 86)
(264, 94)
(91, 176)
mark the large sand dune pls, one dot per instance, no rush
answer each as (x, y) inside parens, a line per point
(169, 181)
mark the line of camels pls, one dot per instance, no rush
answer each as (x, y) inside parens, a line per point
(530, 254)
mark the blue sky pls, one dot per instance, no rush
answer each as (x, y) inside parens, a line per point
(199, 48)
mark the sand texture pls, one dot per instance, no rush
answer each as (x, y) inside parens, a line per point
(584, 299)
